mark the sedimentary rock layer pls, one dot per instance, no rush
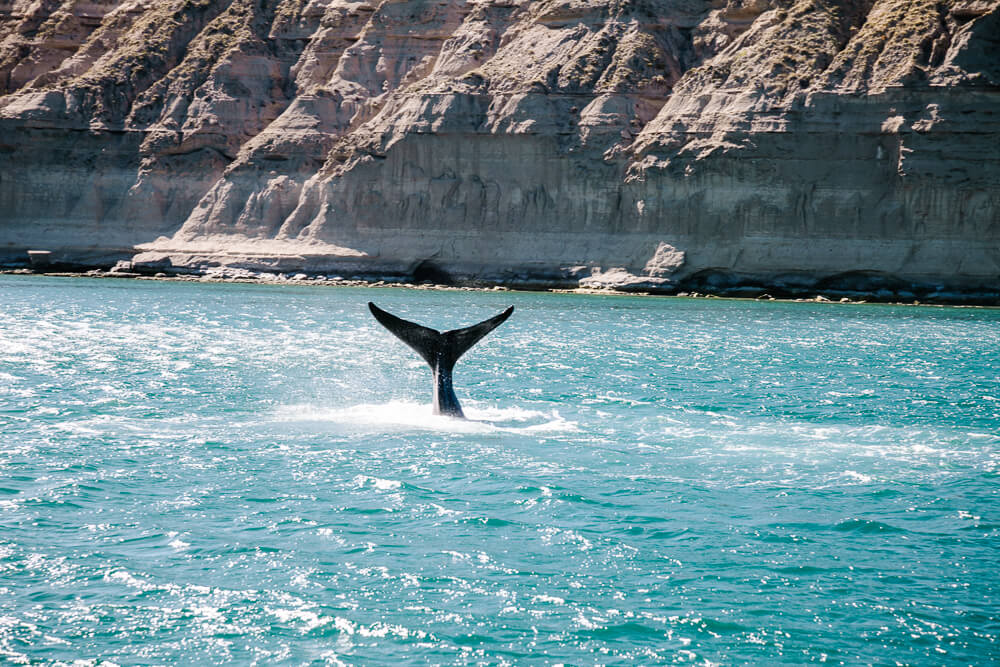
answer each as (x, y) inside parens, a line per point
(630, 143)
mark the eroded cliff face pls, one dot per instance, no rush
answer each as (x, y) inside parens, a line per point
(630, 143)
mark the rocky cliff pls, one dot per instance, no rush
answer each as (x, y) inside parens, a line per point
(652, 144)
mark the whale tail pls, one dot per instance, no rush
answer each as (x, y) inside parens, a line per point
(439, 350)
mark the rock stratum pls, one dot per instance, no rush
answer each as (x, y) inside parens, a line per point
(637, 144)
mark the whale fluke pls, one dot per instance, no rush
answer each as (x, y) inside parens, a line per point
(439, 350)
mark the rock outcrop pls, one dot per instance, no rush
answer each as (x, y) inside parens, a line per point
(643, 144)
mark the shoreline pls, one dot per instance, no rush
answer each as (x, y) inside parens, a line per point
(738, 293)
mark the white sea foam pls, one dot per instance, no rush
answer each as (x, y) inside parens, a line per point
(378, 483)
(123, 576)
(309, 620)
(405, 415)
(550, 599)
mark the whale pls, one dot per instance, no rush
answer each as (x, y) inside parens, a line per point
(440, 350)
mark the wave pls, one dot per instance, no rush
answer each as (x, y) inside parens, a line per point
(866, 526)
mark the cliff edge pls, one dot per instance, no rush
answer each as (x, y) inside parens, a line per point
(847, 145)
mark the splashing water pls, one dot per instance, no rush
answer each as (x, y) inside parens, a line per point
(206, 472)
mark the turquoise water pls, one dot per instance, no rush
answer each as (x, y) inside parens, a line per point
(198, 473)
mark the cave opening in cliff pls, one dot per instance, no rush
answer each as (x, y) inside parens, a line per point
(429, 272)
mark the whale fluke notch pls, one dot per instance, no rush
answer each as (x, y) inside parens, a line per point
(440, 350)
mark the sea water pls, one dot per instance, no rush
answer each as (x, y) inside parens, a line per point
(214, 473)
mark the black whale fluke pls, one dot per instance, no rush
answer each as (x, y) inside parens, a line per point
(439, 350)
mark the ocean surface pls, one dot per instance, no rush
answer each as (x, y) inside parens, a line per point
(214, 473)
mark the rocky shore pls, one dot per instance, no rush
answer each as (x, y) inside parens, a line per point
(843, 148)
(855, 294)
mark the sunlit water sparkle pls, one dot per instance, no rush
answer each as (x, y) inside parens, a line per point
(195, 473)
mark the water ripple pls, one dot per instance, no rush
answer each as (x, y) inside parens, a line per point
(223, 473)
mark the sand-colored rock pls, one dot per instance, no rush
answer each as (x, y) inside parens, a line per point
(636, 144)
